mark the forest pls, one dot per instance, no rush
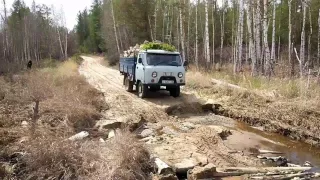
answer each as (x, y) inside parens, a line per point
(270, 37)
(264, 37)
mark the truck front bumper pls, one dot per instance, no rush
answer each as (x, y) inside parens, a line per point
(166, 85)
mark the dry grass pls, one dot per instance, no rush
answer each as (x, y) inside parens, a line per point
(280, 105)
(68, 104)
(50, 157)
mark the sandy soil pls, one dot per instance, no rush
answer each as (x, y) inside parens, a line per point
(179, 141)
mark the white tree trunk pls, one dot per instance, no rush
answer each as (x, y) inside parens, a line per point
(273, 48)
(213, 33)
(182, 34)
(222, 20)
(303, 43)
(309, 38)
(265, 39)
(206, 41)
(257, 29)
(197, 36)
(319, 39)
(252, 47)
(238, 63)
(114, 27)
(290, 34)
(155, 21)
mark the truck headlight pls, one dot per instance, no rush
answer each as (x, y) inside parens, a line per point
(180, 75)
(154, 74)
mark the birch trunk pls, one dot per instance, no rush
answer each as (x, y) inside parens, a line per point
(303, 43)
(206, 42)
(309, 39)
(188, 41)
(290, 38)
(319, 39)
(252, 47)
(273, 48)
(182, 34)
(213, 32)
(155, 22)
(197, 36)
(238, 63)
(114, 27)
(265, 39)
(66, 46)
(257, 25)
(222, 20)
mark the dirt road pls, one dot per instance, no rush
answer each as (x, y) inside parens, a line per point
(183, 138)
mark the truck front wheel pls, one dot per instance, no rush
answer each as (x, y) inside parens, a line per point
(175, 92)
(142, 90)
(128, 84)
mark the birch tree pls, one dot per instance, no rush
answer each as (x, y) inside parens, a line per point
(213, 32)
(206, 41)
(265, 39)
(238, 62)
(290, 38)
(273, 48)
(114, 27)
(197, 37)
(252, 47)
(303, 37)
(318, 56)
(257, 29)
(222, 21)
(182, 33)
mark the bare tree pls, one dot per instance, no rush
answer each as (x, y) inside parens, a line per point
(290, 38)
(213, 32)
(114, 26)
(252, 47)
(222, 22)
(265, 39)
(182, 33)
(273, 48)
(197, 37)
(206, 41)
(303, 43)
(238, 62)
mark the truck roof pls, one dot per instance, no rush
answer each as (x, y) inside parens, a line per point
(158, 51)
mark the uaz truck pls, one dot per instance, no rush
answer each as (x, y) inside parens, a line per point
(152, 70)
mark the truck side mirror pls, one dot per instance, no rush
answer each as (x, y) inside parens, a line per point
(186, 63)
(140, 60)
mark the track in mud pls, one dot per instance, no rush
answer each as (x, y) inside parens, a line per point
(166, 117)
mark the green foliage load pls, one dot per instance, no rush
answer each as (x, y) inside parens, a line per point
(159, 46)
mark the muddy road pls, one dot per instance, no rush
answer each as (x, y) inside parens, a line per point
(181, 133)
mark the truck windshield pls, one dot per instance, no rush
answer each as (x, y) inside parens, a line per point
(164, 60)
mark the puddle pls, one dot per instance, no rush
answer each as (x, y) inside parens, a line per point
(245, 137)
(296, 152)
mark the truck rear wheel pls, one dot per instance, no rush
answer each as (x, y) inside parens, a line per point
(175, 92)
(128, 84)
(142, 90)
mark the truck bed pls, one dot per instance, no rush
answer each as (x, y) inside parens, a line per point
(127, 66)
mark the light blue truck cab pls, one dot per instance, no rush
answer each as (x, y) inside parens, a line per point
(153, 70)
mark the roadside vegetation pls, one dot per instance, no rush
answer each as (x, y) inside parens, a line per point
(40, 109)
(280, 105)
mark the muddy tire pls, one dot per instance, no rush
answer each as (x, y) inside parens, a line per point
(142, 90)
(128, 84)
(175, 92)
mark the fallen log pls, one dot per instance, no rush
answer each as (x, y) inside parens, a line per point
(79, 136)
(162, 167)
(238, 171)
(283, 176)
(261, 151)
(223, 83)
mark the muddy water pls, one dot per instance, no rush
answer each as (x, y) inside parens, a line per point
(296, 152)
(244, 138)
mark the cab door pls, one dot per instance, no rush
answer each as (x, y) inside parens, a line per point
(140, 68)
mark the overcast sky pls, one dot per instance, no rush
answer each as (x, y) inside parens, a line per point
(70, 7)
